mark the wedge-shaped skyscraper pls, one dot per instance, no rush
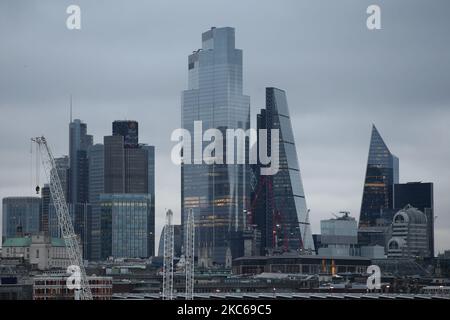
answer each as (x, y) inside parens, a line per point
(381, 175)
(279, 201)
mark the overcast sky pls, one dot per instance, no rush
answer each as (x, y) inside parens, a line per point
(129, 61)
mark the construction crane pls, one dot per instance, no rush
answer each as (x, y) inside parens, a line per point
(64, 221)
(189, 254)
(167, 293)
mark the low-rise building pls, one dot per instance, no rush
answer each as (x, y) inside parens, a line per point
(303, 264)
(339, 236)
(40, 251)
(54, 287)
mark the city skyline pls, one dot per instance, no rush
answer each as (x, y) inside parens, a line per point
(412, 121)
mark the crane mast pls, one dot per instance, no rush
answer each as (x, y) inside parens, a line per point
(167, 293)
(62, 212)
(189, 254)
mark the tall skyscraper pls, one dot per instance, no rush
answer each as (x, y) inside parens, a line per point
(151, 191)
(21, 215)
(280, 209)
(79, 142)
(217, 193)
(96, 188)
(129, 174)
(420, 196)
(128, 130)
(381, 175)
(126, 169)
(63, 167)
(49, 220)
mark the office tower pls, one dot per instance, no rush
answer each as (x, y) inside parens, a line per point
(217, 193)
(409, 234)
(381, 175)
(280, 209)
(96, 188)
(129, 168)
(339, 236)
(128, 130)
(63, 166)
(79, 142)
(49, 220)
(420, 196)
(45, 209)
(151, 191)
(124, 225)
(21, 215)
(126, 169)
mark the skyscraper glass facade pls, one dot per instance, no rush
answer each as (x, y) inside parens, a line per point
(129, 130)
(217, 193)
(381, 175)
(125, 225)
(20, 215)
(279, 200)
(79, 142)
(96, 187)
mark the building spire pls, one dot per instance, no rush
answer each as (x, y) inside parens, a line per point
(70, 108)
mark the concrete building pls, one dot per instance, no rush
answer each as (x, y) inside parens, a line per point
(419, 195)
(409, 234)
(303, 264)
(339, 236)
(40, 251)
(53, 287)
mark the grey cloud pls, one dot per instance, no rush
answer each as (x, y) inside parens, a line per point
(129, 61)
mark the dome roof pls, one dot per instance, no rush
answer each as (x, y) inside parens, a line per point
(409, 214)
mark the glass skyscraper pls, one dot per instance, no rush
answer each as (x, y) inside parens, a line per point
(127, 172)
(125, 225)
(79, 142)
(381, 175)
(129, 130)
(21, 215)
(96, 188)
(279, 200)
(217, 193)
(49, 219)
